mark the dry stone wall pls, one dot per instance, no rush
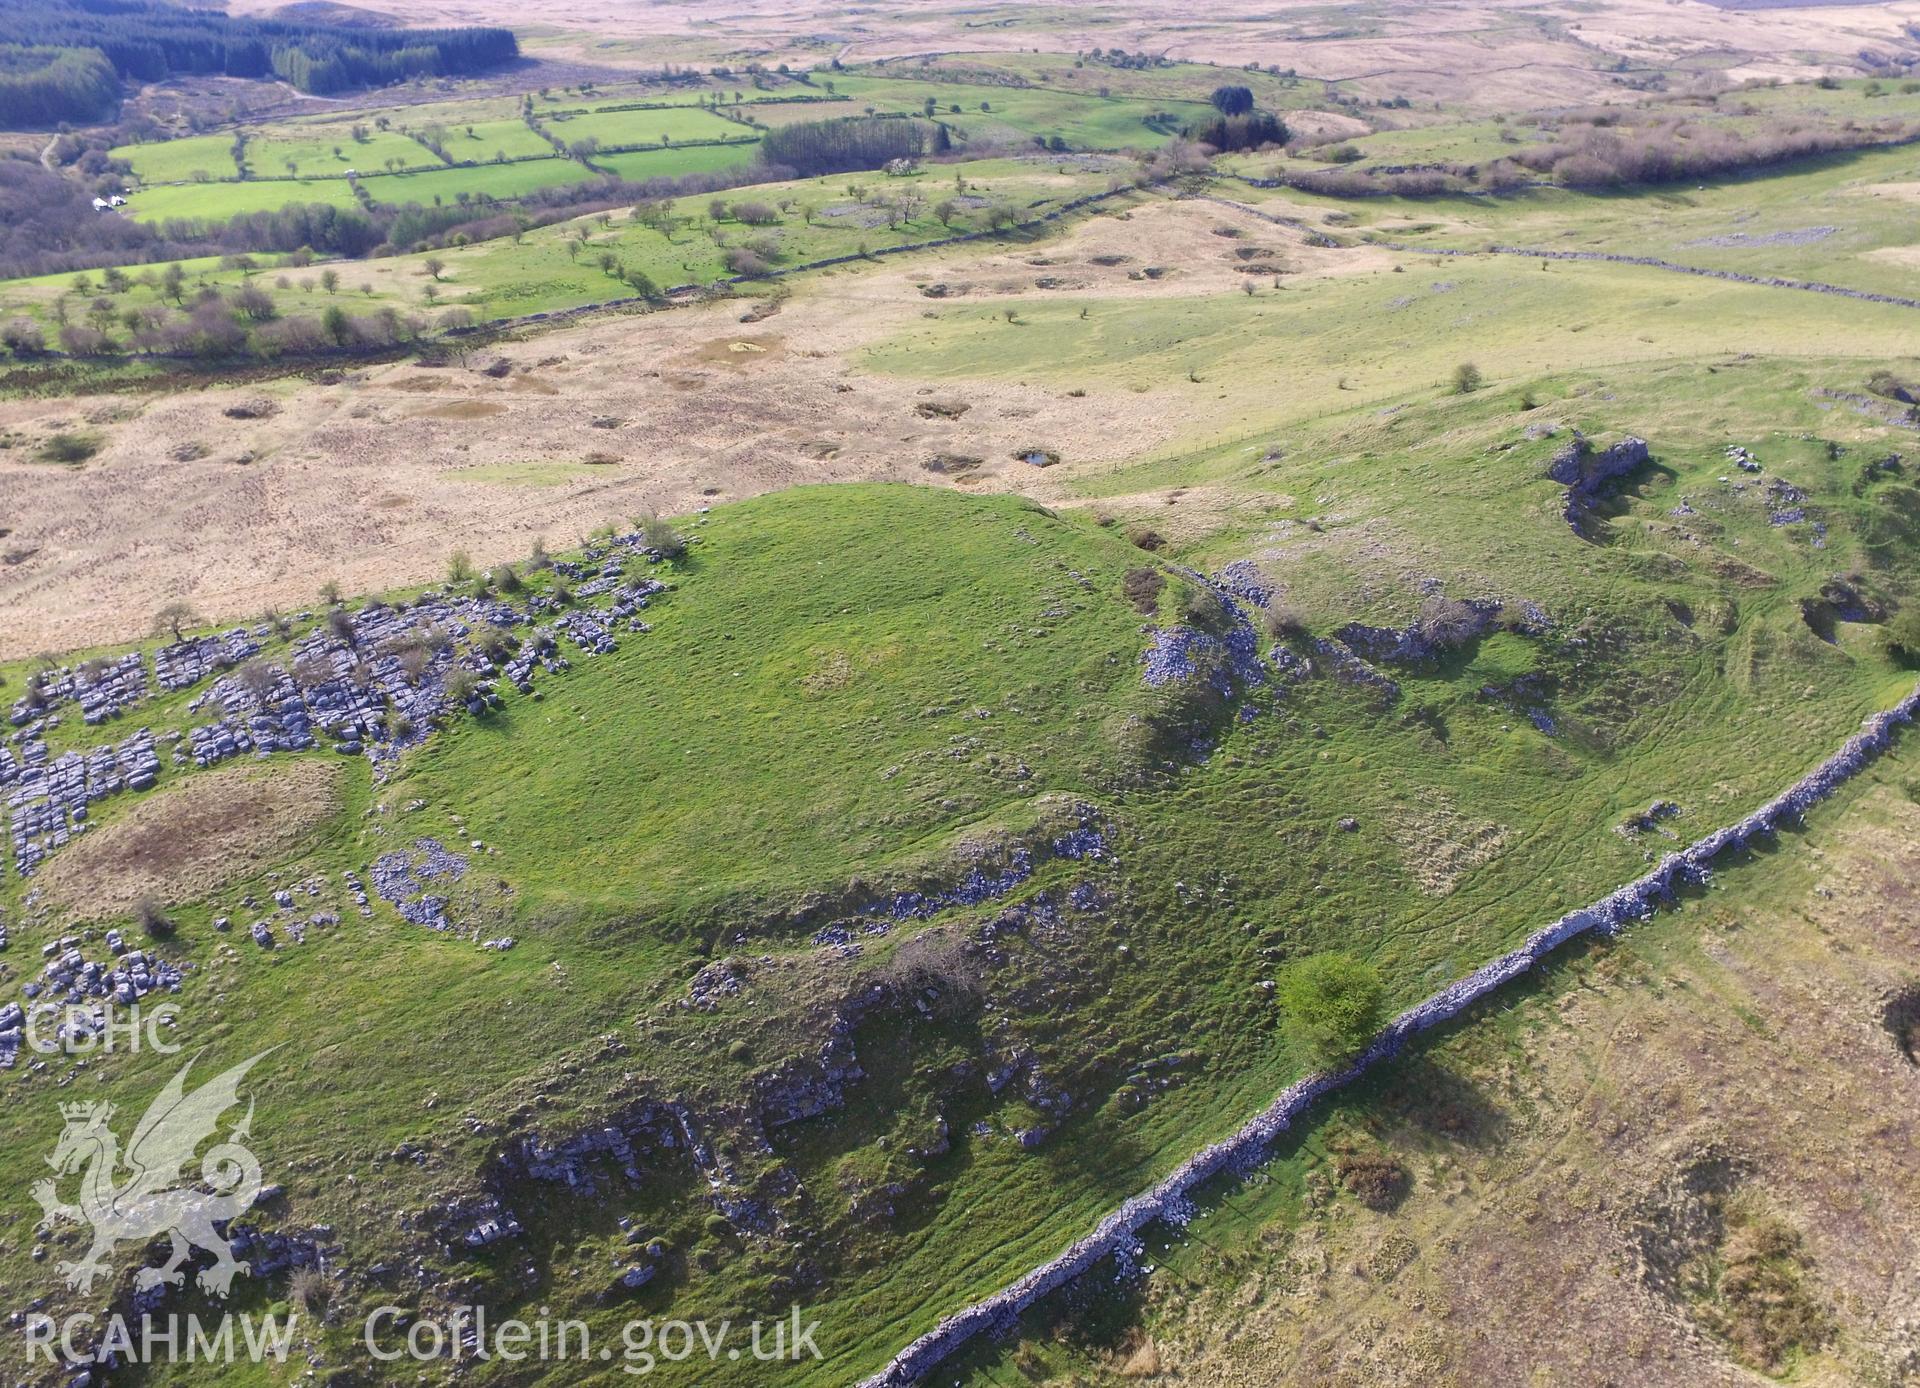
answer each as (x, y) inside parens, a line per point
(1169, 1200)
(1656, 263)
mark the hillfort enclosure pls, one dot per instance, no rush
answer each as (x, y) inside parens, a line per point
(1058, 695)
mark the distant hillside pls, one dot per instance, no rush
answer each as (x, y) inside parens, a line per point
(61, 60)
(337, 15)
(1778, 4)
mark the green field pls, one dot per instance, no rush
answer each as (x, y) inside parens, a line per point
(773, 113)
(177, 161)
(310, 147)
(502, 181)
(332, 150)
(820, 696)
(1453, 142)
(1162, 82)
(1294, 353)
(495, 123)
(504, 278)
(217, 202)
(1865, 100)
(512, 138)
(539, 273)
(625, 129)
(1021, 114)
(637, 165)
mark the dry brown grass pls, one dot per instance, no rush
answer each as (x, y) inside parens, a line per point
(1488, 53)
(1137, 1358)
(1692, 1163)
(1898, 192)
(1439, 843)
(374, 480)
(184, 841)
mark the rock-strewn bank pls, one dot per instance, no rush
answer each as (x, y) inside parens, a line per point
(1118, 1232)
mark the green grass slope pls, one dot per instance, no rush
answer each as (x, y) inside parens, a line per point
(1648, 1104)
(809, 653)
(855, 691)
(1319, 345)
(830, 814)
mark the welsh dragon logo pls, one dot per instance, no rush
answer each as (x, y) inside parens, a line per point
(155, 1198)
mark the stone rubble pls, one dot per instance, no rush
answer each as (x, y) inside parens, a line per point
(983, 882)
(85, 989)
(404, 880)
(477, 1222)
(47, 801)
(185, 663)
(374, 683)
(101, 689)
(1425, 641)
(1347, 666)
(1785, 500)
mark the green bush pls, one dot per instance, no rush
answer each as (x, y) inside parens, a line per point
(1333, 1004)
(662, 538)
(1903, 633)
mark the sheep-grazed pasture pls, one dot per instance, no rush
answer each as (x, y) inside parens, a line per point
(1534, 1146)
(849, 889)
(591, 258)
(1127, 345)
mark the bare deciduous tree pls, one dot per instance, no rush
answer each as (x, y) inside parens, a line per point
(175, 617)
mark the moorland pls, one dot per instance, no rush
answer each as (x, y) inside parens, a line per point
(780, 679)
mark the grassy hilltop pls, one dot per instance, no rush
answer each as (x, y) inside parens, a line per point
(853, 692)
(844, 895)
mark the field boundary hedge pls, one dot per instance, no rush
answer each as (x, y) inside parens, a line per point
(667, 297)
